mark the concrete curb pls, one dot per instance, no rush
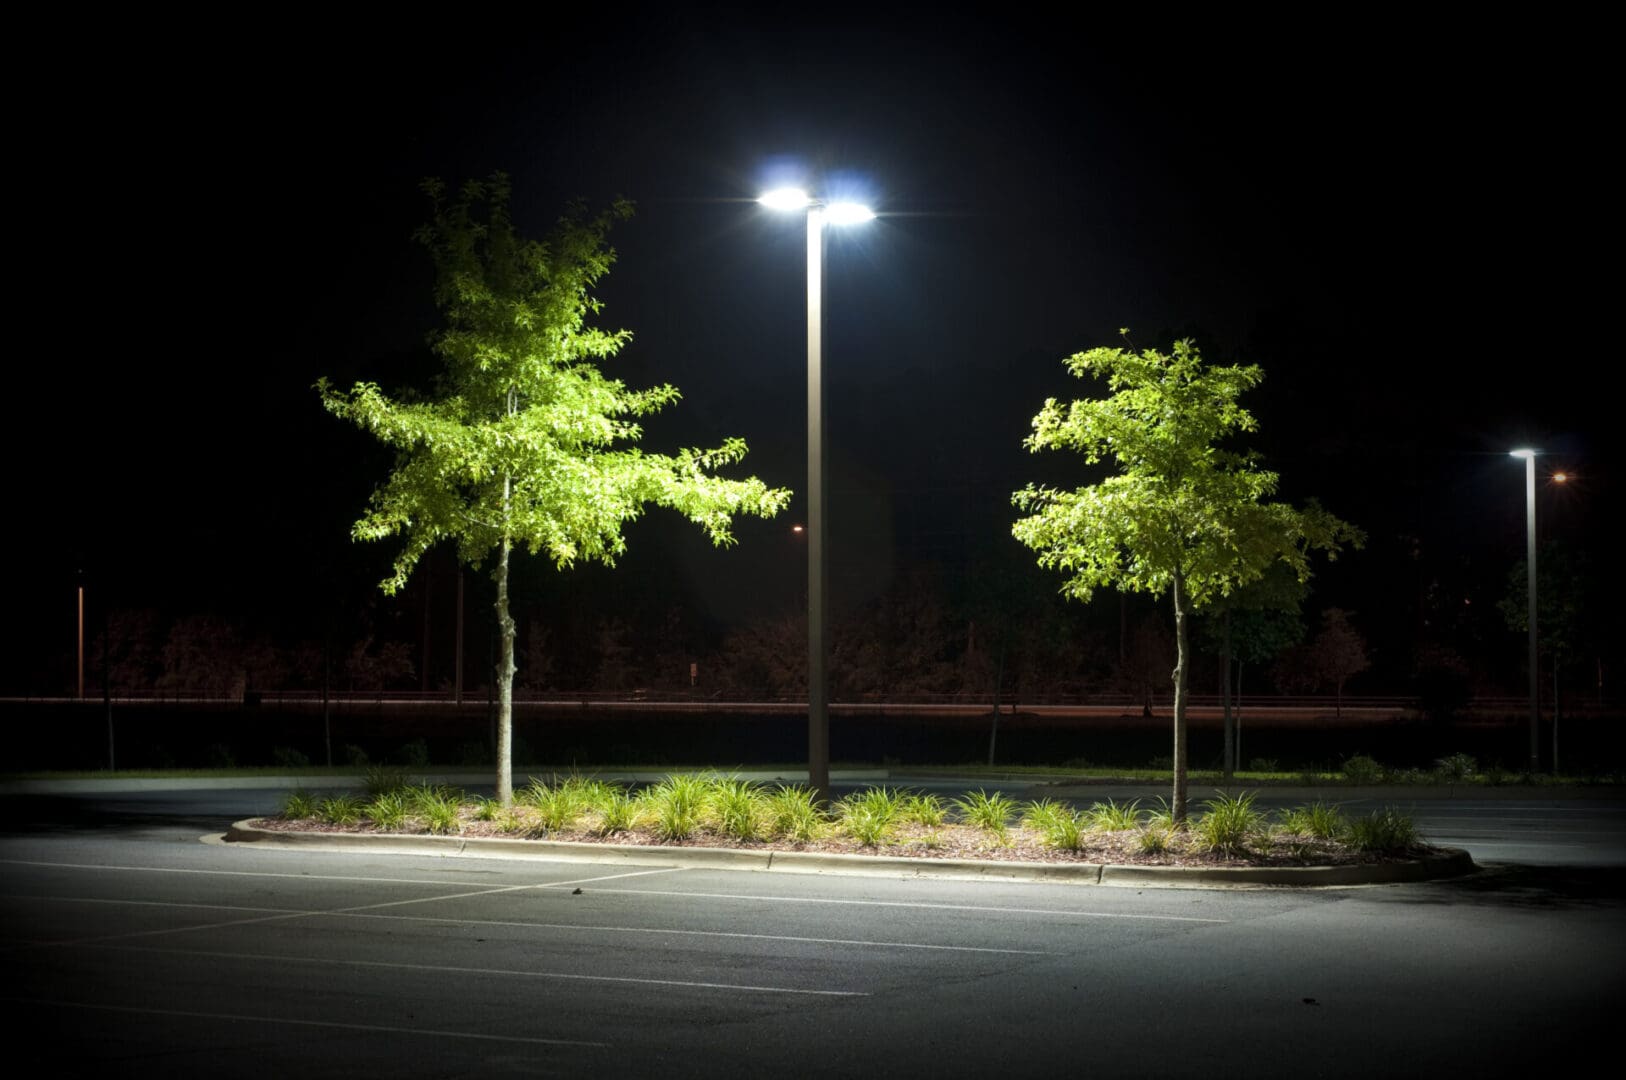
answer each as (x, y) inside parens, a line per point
(1450, 862)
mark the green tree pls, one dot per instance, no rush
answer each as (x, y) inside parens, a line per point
(1181, 516)
(523, 441)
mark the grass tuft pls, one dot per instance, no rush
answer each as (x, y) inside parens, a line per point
(1315, 819)
(1111, 817)
(793, 814)
(739, 808)
(389, 811)
(339, 810)
(298, 804)
(1386, 831)
(868, 815)
(677, 805)
(991, 813)
(1229, 823)
(1155, 839)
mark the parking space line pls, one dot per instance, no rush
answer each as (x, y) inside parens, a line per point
(911, 904)
(285, 915)
(517, 924)
(245, 873)
(378, 1028)
(483, 972)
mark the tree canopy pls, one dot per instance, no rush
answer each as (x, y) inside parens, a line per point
(523, 440)
(1182, 514)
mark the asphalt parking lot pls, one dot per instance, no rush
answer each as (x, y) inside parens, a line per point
(135, 948)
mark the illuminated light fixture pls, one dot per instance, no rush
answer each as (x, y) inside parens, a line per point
(819, 214)
(1561, 478)
(785, 199)
(1529, 456)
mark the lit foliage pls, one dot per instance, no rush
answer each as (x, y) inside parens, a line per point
(524, 440)
(1181, 515)
(520, 443)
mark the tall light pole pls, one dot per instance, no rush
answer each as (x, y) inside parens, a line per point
(1529, 457)
(819, 214)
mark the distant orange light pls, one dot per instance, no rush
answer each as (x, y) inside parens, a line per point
(1559, 478)
(795, 528)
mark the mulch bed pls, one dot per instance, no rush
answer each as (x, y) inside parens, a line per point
(945, 842)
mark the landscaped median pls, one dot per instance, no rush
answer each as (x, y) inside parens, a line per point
(727, 823)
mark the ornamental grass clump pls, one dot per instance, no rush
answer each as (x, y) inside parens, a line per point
(1057, 823)
(676, 806)
(617, 812)
(388, 811)
(1111, 817)
(922, 809)
(1385, 831)
(339, 810)
(298, 804)
(867, 816)
(1315, 819)
(439, 806)
(560, 805)
(990, 813)
(792, 814)
(739, 809)
(1229, 824)
(1155, 840)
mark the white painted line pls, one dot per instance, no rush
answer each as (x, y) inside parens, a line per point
(483, 972)
(237, 873)
(7, 897)
(715, 934)
(351, 914)
(909, 904)
(319, 877)
(284, 915)
(186, 1014)
(609, 877)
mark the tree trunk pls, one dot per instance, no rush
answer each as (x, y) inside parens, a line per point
(1239, 716)
(505, 686)
(1178, 807)
(1230, 755)
(999, 681)
(1555, 714)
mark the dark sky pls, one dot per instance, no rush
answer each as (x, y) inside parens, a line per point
(1408, 224)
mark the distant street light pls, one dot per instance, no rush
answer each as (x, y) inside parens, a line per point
(819, 214)
(1529, 457)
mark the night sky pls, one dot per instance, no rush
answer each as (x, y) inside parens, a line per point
(1409, 225)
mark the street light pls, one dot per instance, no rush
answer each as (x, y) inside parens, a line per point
(819, 214)
(1529, 457)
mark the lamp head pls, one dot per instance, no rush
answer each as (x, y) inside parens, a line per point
(1524, 452)
(785, 199)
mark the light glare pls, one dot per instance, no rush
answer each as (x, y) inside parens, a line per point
(848, 213)
(1523, 453)
(784, 199)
